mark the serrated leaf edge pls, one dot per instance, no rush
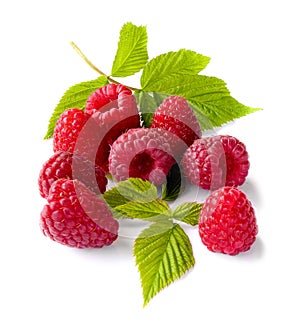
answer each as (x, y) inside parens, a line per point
(115, 72)
(181, 270)
(59, 108)
(186, 218)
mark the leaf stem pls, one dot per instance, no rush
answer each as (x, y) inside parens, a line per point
(95, 68)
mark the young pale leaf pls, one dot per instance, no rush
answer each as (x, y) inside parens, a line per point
(163, 253)
(188, 212)
(74, 97)
(172, 188)
(163, 66)
(151, 211)
(132, 54)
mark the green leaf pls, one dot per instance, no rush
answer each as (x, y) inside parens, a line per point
(203, 120)
(152, 211)
(74, 97)
(132, 54)
(133, 189)
(114, 198)
(163, 253)
(137, 189)
(193, 87)
(159, 97)
(163, 66)
(220, 111)
(148, 103)
(188, 212)
(171, 189)
(209, 97)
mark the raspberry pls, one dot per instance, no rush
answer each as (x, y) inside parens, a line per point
(67, 165)
(227, 222)
(114, 108)
(77, 217)
(68, 128)
(105, 95)
(216, 161)
(176, 116)
(143, 153)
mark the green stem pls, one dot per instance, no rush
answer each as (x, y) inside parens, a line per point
(95, 68)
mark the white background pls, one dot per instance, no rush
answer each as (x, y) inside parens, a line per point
(254, 48)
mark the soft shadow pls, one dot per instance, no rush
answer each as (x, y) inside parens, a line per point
(120, 249)
(256, 252)
(253, 194)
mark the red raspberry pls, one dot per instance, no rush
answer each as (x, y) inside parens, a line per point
(216, 161)
(114, 108)
(142, 152)
(176, 116)
(68, 128)
(77, 217)
(68, 165)
(227, 222)
(105, 95)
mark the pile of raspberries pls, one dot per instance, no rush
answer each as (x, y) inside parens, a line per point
(108, 137)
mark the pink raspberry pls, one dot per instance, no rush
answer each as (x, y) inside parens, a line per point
(143, 153)
(65, 165)
(77, 217)
(216, 161)
(227, 222)
(114, 108)
(176, 116)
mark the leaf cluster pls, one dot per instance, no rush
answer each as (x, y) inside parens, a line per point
(172, 73)
(163, 251)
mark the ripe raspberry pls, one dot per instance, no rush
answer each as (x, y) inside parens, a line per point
(68, 128)
(142, 152)
(68, 165)
(114, 108)
(77, 217)
(176, 116)
(227, 222)
(216, 161)
(105, 95)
